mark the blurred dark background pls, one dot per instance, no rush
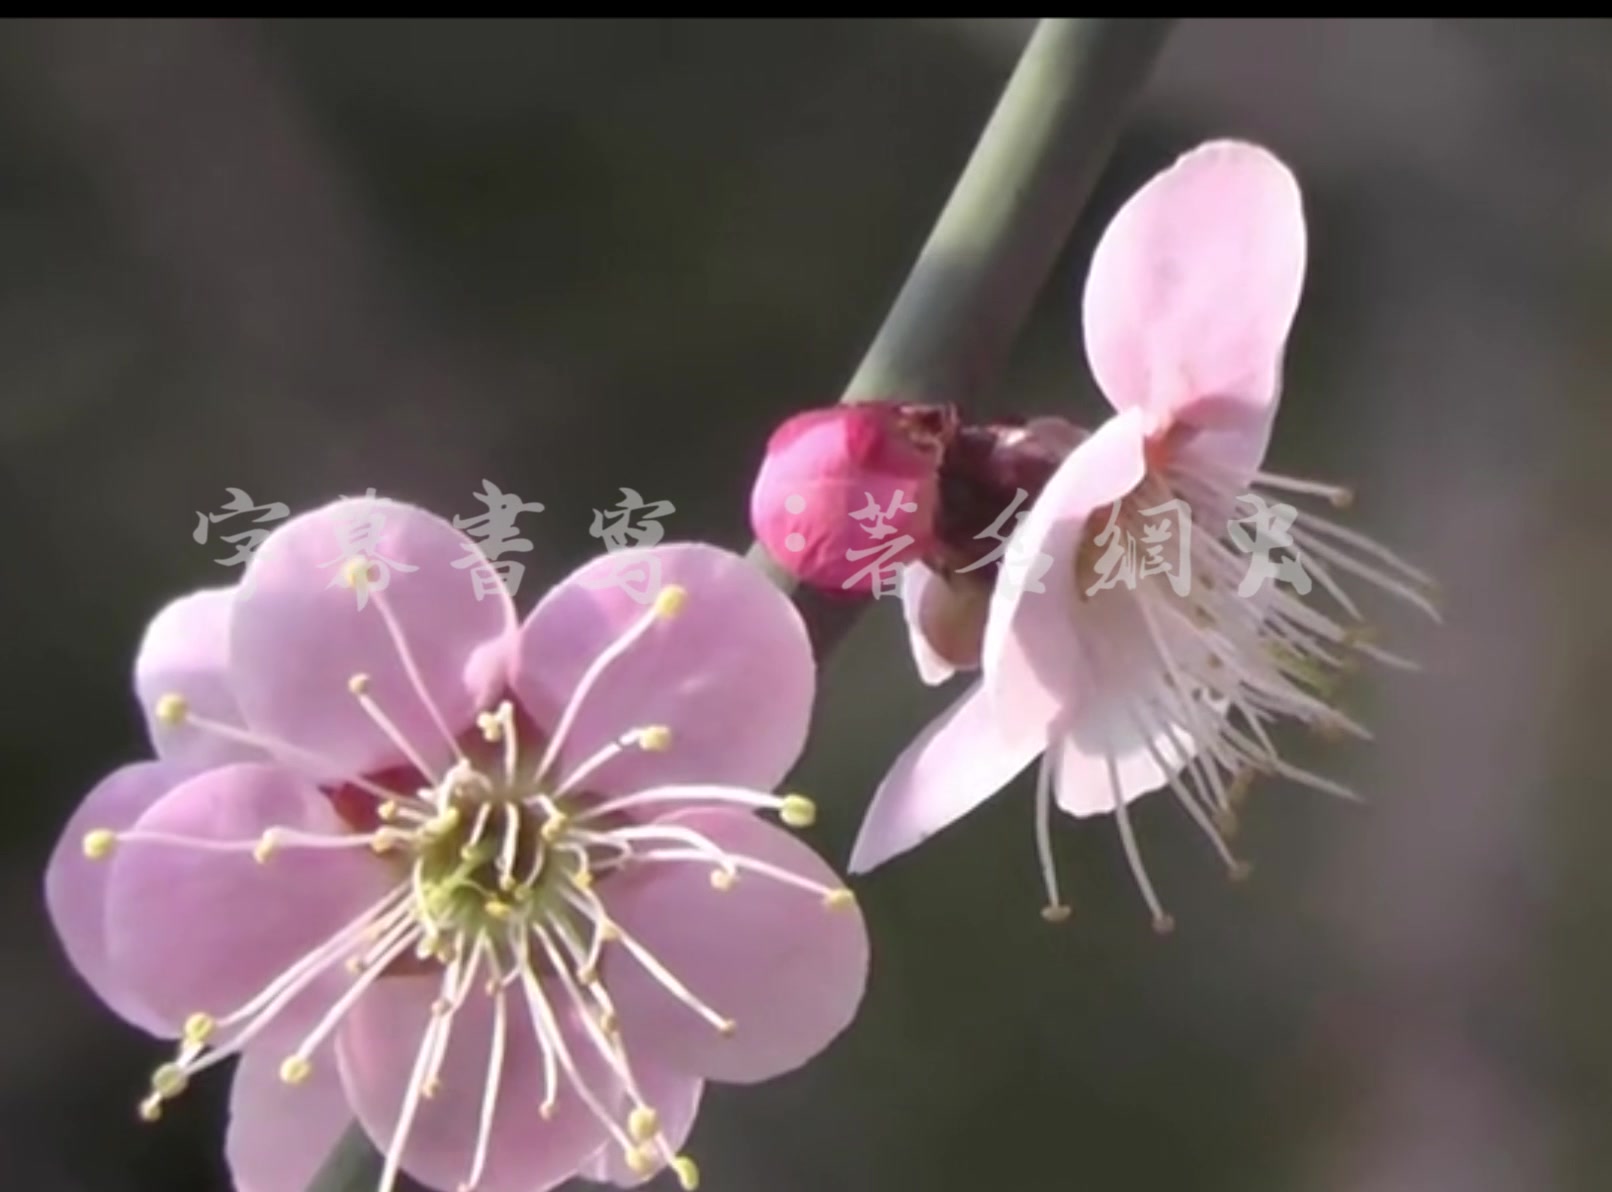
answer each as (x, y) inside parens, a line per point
(305, 259)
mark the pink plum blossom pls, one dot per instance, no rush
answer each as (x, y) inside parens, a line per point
(1123, 688)
(501, 890)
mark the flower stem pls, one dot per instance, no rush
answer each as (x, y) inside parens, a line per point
(951, 327)
(950, 330)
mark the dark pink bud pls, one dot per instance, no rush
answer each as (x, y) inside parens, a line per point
(850, 492)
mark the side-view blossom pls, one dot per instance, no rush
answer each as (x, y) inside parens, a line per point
(505, 891)
(1164, 629)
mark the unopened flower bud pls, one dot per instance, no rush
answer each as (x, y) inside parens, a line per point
(847, 479)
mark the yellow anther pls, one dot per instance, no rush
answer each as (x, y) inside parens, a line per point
(607, 1022)
(169, 1081)
(386, 840)
(688, 1173)
(1057, 912)
(295, 1069)
(554, 827)
(1241, 871)
(798, 811)
(358, 684)
(172, 709)
(639, 1160)
(588, 975)
(491, 726)
(355, 965)
(1226, 823)
(722, 879)
(609, 932)
(355, 571)
(671, 600)
(726, 1027)
(546, 1110)
(199, 1028)
(151, 1109)
(99, 843)
(657, 738)
(1343, 498)
(431, 1088)
(582, 879)
(643, 1123)
(838, 900)
(501, 911)
(1163, 925)
(267, 843)
(387, 811)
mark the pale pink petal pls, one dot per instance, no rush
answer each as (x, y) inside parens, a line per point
(185, 652)
(378, 1047)
(76, 887)
(731, 674)
(675, 1097)
(1082, 782)
(300, 636)
(190, 929)
(1038, 655)
(954, 765)
(788, 969)
(280, 1134)
(944, 624)
(1194, 286)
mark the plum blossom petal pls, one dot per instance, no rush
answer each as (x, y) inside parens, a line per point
(1194, 287)
(379, 1046)
(301, 636)
(205, 928)
(676, 1098)
(730, 674)
(788, 969)
(1082, 780)
(953, 766)
(944, 625)
(279, 1135)
(1036, 657)
(185, 651)
(76, 886)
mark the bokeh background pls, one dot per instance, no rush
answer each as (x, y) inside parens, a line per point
(305, 259)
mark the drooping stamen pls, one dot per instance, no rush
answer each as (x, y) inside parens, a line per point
(458, 981)
(1162, 923)
(1056, 910)
(667, 604)
(1235, 867)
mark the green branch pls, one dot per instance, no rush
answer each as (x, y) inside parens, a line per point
(955, 320)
